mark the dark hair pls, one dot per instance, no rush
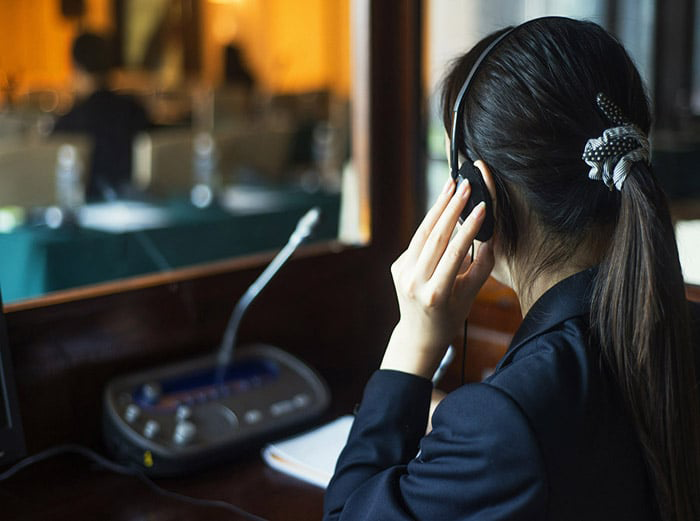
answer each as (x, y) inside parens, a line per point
(236, 69)
(530, 111)
(93, 53)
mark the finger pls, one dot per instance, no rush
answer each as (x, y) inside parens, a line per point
(457, 251)
(426, 226)
(468, 259)
(474, 247)
(470, 283)
(439, 238)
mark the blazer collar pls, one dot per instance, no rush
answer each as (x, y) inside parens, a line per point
(568, 298)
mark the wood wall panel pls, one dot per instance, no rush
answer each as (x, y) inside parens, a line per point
(693, 292)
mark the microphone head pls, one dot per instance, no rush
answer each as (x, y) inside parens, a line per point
(307, 224)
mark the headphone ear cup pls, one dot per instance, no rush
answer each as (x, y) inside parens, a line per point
(479, 193)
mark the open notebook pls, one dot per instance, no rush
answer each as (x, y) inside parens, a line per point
(310, 456)
(688, 238)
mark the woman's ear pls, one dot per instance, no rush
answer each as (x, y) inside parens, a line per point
(488, 179)
(501, 271)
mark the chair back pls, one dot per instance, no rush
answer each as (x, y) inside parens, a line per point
(28, 169)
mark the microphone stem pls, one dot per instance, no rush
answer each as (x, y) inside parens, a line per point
(303, 230)
(229, 340)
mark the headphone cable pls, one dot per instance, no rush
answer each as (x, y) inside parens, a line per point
(464, 337)
(125, 470)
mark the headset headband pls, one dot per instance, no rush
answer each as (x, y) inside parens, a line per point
(454, 151)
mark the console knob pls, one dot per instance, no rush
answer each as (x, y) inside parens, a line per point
(152, 392)
(183, 412)
(132, 413)
(151, 429)
(184, 432)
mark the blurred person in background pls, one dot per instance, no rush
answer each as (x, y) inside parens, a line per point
(110, 119)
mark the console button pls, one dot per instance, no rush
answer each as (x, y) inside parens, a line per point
(301, 400)
(253, 416)
(282, 407)
(184, 432)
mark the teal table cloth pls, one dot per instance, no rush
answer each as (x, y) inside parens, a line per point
(36, 259)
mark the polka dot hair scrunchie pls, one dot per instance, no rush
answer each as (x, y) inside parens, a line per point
(612, 155)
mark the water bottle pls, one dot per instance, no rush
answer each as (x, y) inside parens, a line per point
(69, 194)
(205, 170)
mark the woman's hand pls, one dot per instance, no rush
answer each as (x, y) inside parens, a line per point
(436, 284)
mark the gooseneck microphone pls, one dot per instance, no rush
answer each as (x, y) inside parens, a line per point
(176, 419)
(303, 231)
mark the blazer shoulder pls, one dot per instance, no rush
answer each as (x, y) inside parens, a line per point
(490, 457)
(555, 379)
(478, 408)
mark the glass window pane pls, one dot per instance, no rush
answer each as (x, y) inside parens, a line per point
(455, 26)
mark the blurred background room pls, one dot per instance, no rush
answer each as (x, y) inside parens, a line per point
(161, 128)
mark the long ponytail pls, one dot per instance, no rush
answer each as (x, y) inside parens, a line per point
(641, 318)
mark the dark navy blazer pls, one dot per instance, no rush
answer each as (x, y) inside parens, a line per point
(545, 437)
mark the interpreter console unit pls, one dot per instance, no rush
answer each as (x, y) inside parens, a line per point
(176, 419)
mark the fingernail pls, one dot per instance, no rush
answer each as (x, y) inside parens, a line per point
(463, 188)
(479, 210)
(448, 186)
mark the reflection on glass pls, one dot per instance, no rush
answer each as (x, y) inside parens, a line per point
(219, 124)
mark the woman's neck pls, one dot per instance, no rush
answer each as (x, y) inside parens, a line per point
(530, 284)
(529, 292)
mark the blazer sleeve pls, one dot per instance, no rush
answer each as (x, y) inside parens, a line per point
(480, 461)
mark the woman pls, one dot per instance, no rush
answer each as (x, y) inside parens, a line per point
(593, 412)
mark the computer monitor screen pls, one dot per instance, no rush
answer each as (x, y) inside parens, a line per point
(11, 435)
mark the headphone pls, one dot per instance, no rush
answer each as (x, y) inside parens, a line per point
(468, 171)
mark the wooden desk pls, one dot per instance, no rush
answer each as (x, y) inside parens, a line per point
(70, 488)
